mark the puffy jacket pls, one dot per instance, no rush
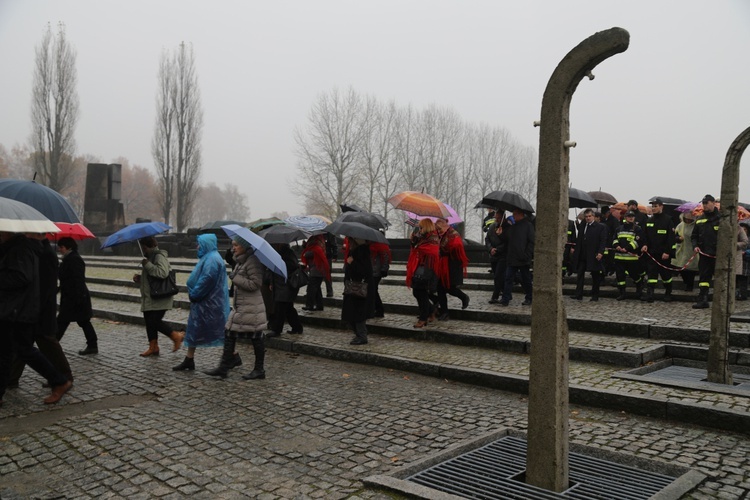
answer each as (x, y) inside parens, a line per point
(249, 313)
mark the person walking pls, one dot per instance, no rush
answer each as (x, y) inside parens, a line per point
(521, 237)
(283, 294)
(155, 263)
(627, 244)
(19, 312)
(45, 329)
(248, 316)
(588, 254)
(422, 269)
(496, 241)
(332, 250)
(658, 247)
(75, 301)
(704, 239)
(314, 258)
(685, 258)
(453, 265)
(357, 269)
(209, 301)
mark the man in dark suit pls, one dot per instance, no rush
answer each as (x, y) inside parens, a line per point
(588, 252)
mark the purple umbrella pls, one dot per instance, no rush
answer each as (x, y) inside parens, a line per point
(687, 207)
(453, 218)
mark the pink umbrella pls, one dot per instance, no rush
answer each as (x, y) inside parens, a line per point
(688, 207)
(452, 218)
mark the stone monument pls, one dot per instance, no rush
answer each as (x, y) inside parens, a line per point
(103, 213)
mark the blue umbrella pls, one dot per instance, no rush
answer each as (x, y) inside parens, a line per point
(135, 232)
(263, 250)
(47, 201)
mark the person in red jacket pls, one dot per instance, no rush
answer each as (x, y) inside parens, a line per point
(452, 267)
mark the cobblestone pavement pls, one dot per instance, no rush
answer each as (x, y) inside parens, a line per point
(314, 428)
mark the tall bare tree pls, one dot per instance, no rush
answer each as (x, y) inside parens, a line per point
(328, 148)
(54, 109)
(176, 146)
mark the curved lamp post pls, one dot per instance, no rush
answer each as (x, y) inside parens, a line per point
(723, 303)
(547, 457)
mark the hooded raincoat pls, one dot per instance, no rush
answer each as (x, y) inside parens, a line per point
(209, 296)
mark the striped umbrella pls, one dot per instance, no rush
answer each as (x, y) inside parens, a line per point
(306, 222)
(419, 203)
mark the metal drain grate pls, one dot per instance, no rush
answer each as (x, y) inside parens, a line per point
(487, 473)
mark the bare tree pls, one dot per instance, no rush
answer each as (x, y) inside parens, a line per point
(139, 192)
(236, 203)
(377, 159)
(328, 148)
(176, 146)
(54, 109)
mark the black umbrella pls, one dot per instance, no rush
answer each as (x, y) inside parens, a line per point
(375, 221)
(507, 200)
(580, 199)
(356, 230)
(351, 207)
(603, 198)
(215, 226)
(668, 201)
(283, 234)
(47, 201)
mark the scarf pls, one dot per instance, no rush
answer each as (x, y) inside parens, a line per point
(316, 245)
(425, 253)
(451, 248)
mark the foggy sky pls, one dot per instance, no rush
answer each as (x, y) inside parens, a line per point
(657, 120)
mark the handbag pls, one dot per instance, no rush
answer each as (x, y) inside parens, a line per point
(163, 287)
(420, 280)
(355, 288)
(299, 278)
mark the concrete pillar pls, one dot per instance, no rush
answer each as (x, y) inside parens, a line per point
(723, 303)
(547, 459)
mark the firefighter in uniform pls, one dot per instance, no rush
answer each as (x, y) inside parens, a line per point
(628, 241)
(658, 249)
(704, 239)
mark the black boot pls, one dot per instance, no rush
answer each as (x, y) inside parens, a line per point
(668, 292)
(622, 293)
(260, 355)
(187, 364)
(649, 295)
(227, 357)
(702, 299)
(639, 290)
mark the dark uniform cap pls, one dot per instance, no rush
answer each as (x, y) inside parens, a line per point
(632, 202)
(629, 213)
(657, 201)
(708, 197)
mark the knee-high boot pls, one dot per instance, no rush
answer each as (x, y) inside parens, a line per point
(259, 349)
(228, 360)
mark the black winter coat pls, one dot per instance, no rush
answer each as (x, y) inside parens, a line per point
(355, 309)
(497, 241)
(75, 301)
(19, 280)
(48, 264)
(705, 234)
(521, 236)
(282, 291)
(589, 244)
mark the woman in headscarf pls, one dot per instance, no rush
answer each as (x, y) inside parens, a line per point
(209, 301)
(422, 269)
(453, 265)
(684, 250)
(314, 258)
(358, 269)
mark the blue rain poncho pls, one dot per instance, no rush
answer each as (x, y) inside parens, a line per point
(209, 296)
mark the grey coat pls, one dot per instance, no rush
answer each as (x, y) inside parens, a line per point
(157, 266)
(248, 312)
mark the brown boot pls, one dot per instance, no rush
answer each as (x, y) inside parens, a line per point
(177, 338)
(57, 393)
(153, 349)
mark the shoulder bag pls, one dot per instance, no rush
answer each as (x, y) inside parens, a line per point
(163, 287)
(355, 288)
(298, 278)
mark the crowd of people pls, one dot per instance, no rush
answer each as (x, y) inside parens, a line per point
(258, 303)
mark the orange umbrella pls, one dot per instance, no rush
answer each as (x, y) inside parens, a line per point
(742, 212)
(419, 203)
